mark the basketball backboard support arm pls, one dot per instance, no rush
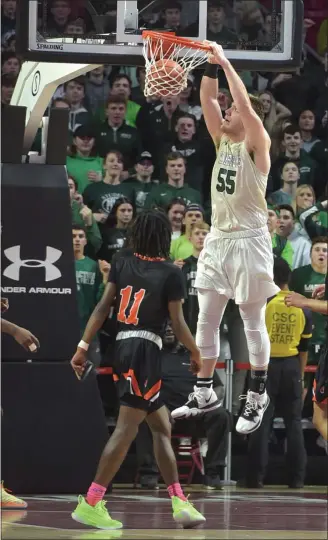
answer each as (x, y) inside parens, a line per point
(37, 83)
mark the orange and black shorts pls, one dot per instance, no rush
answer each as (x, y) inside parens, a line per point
(137, 373)
(320, 385)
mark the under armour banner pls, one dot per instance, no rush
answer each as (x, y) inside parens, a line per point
(38, 273)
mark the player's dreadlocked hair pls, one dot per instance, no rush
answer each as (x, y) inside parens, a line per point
(150, 234)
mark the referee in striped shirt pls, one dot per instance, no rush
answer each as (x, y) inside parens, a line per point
(290, 329)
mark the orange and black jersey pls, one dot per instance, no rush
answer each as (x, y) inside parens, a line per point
(144, 289)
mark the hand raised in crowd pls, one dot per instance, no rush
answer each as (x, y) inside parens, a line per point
(100, 217)
(179, 263)
(294, 299)
(104, 268)
(78, 198)
(94, 176)
(319, 292)
(195, 362)
(86, 215)
(280, 78)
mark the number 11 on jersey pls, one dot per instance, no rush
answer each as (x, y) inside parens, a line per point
(132, 317)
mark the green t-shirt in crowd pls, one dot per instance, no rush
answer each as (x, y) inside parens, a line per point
(162, 194)
(190, 305)
(90, 288)
(101, 197)
(304, 280)
(181, 248)
(78, 167)
(283, 248)
(141, 192)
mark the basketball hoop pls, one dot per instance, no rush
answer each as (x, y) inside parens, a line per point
(169, 60)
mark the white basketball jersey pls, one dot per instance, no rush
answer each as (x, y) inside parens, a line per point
(238, 189)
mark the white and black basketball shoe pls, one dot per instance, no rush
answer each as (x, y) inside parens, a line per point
(252, 413)
(200, 401)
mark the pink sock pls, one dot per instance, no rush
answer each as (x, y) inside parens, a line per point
(95, 494)
(175, 490)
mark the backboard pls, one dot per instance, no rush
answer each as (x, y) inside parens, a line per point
(263, 35)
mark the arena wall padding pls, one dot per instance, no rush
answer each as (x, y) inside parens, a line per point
(57, 137)
(38, 271)
(12, 134)
(53, 428)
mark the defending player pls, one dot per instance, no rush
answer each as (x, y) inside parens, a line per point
(237, 259)
(148, 291)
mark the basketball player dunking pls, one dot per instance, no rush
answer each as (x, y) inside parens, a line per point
(237, 260)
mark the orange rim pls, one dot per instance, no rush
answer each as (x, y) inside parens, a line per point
(170, 37)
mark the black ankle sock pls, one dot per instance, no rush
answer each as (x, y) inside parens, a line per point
(258, 381)
(205, 383)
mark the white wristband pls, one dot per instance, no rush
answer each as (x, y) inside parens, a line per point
(83, 345)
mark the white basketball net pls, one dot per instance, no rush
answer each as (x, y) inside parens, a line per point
(156, 49)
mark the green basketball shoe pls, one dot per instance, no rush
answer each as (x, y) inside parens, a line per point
(186, 514)
(95, 516)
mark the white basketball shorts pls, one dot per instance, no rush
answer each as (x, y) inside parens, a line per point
(238, 264)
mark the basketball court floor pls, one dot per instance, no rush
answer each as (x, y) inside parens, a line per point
(270, 513)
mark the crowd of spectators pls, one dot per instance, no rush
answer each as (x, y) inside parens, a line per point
(128, 152)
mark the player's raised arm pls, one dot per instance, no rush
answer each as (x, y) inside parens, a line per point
(256, 136)
(209, 91)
